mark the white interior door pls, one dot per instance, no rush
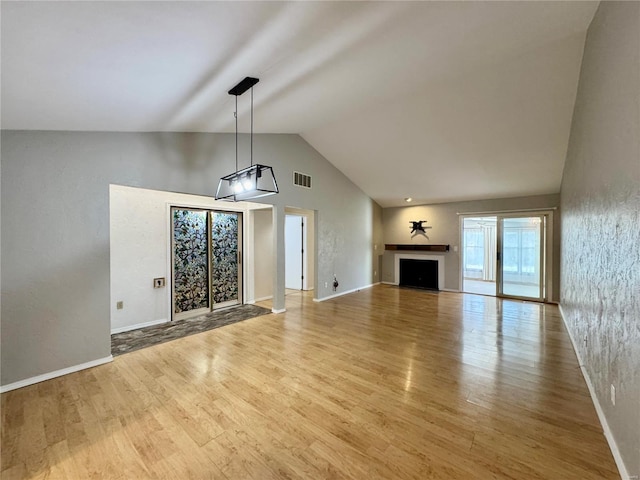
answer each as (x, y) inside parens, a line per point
(294, 251)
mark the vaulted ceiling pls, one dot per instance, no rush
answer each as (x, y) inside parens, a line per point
(439, 101)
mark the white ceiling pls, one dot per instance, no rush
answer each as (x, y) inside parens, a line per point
(440, 101)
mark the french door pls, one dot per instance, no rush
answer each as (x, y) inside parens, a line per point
(505, 255)
(206, 260)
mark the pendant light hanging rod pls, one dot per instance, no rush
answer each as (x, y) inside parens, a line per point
(251, 136)
(235, 114)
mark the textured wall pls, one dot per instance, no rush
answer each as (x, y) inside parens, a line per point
(600, 198)
(55, 228)
(445, 223)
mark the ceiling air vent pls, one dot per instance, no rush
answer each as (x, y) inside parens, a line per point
(302, 179)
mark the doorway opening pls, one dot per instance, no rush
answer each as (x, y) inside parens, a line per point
(206, 261)
(505, 255)
(299, 250)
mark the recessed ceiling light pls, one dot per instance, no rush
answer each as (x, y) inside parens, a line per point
(408, 199)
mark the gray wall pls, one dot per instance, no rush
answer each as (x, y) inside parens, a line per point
(445, 223)
(600, 200)
(55, 227)
(263, 252)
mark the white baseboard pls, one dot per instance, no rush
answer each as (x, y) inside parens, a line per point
(389, 283)
(58, 373)
(603, 419)
(281, 310)
(262, 299)
(344, 293)
(256, 300)
(138, 325)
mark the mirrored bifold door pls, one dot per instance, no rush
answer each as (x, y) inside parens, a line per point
(206, 260)
(521, 256)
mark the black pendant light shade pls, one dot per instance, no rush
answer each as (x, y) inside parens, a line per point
(254, 181)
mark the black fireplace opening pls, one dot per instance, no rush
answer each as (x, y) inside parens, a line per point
(419, 273)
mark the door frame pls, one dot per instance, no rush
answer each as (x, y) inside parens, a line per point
(309, 244)
(547, 247)
(303, 245)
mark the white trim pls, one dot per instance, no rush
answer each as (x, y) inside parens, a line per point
(418, 256)
(261, 299)
(57, 373)
(138, 325)
(318, 300)
(281, 310)
(601, 416)
(494, 212)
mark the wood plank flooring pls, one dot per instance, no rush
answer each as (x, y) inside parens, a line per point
(383, 383)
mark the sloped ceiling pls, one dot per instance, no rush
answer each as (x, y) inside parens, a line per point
(439, 101)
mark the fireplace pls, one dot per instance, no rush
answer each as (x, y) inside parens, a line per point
(419, 273)
(439, 259)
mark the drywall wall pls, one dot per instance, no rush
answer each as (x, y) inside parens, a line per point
(600, 198)
(262, 254)
(55, 235)
(138, 246)
(140, 251)
(444, 221)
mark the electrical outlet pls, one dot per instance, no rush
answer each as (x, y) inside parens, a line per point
(375, 272)
(326, 284)
(613, 395)
(120, 305)
(158, 282)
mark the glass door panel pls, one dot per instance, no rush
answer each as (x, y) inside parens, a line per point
(520, 255)
(226, 241)
(479, 255)
(190, 262)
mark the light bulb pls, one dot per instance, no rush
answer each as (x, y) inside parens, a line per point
(236, 186)
(247, 183)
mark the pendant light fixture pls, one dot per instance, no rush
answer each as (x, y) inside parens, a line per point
(254, 181)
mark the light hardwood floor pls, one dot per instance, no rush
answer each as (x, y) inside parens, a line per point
(383, 383)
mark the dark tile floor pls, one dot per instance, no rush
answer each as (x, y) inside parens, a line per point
(132, 340)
